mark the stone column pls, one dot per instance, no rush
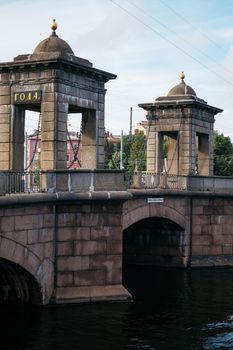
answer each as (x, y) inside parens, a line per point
(17, 144)
(100, 140)
(173, 154)
(211, 151)
(151, 147)
(159, 153)
(100, 124)
(54, 144)
(203, 155)
(89, 140)
(54, 135)
(5, 122)
(187, 149)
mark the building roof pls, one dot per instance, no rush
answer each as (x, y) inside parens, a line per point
(182, 88)
(53, 43)
(53, 51)
(180, 95)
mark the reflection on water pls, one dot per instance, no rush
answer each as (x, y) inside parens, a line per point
(173, 309)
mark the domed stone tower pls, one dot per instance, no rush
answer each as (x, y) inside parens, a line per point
(54, 82)
(180, 133)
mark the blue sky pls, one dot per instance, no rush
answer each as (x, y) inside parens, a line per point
(147, 43)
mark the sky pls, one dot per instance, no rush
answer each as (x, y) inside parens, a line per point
(146, 43)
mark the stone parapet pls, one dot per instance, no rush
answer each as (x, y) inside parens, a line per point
(83, 180)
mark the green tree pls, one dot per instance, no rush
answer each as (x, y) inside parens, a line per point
(137, 154)
(109, 150)
(223, 155)
(134, 153)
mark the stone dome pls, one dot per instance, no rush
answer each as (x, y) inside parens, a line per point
(182, 88)
(53, 44)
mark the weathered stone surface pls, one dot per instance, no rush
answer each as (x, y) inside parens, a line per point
(105, 261)
(90, 277)
(65, 248)
(92, 293)
(73, 263)
(7, 225)
(49, 250)
(65, 279)
(73, 233)
(89, 248)
(114, 247)
(67, 219)
(29, 222)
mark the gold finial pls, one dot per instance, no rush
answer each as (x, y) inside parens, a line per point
(182, 76)
(53, 25)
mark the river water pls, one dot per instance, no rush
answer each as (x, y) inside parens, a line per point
(172, 309)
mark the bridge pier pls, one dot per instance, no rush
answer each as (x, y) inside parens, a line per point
(89, 252)
(71, 244)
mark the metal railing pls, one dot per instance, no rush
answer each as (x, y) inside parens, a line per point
(160, 180)
(85, 180)
(215, 184)
(19, 182)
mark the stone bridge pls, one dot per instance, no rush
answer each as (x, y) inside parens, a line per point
(68, 242)
(69, 247)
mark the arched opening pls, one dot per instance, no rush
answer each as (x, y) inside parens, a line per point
(154, 251)
(17, 286)
(155, 242)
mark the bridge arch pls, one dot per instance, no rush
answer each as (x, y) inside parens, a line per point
(140, 210)
(39, 274)
(155, 234)
(19, 254)
(17, 285)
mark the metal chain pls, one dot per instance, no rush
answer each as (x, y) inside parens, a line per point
(176, 145)
(75, 151)
(36, 143)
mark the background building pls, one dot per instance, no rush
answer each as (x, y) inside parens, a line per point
(33, 151)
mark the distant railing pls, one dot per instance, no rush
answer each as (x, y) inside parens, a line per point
(195, 183)
(88, 180)
(19, 182)
(161, 180)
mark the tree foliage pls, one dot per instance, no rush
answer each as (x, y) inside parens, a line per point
(223, 155)
(110, 149)
(134, 153)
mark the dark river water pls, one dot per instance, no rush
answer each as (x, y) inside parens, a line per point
(172, 309)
